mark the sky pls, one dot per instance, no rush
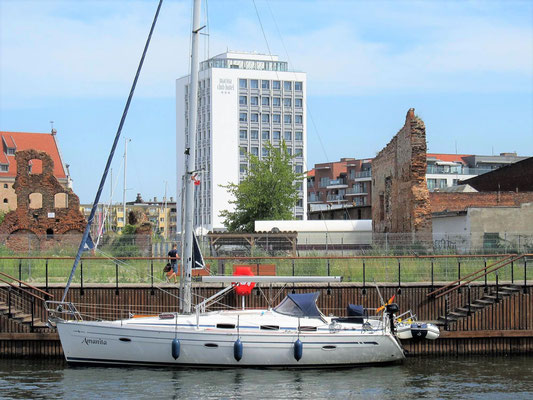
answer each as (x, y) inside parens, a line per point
(465, 66)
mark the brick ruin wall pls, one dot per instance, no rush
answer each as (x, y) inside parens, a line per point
(444, 201)
(399, 191)
(41, 224)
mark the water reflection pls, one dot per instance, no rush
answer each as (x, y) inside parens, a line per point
(448, 378)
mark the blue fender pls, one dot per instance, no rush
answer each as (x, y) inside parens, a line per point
(237, 350)
(298, 349)
(175, 349)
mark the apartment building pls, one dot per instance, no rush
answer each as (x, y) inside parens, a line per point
(245, 101)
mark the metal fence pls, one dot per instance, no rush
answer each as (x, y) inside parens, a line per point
(307, 244)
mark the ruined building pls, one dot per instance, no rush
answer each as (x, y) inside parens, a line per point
(400, 196)
(45, 209)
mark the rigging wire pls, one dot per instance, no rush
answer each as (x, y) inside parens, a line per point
(110, 158)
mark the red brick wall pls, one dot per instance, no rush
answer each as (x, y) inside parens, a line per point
(441, 201)
(399, 190)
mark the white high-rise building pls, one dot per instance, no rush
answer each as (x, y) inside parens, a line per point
(245, 101)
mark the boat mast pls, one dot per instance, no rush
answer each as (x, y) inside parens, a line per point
(190, 155)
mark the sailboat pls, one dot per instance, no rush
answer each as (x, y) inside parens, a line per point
(293, 334)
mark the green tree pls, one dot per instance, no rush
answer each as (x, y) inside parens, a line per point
(269, 191)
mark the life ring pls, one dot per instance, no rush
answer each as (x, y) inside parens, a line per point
(243, 288)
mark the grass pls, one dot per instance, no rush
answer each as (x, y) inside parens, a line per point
(375, 269)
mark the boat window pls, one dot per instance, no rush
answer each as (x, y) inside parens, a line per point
(225, 326)
(308, 328)
(166, 316)
(329, 347)
(269, 327)
(212, 345)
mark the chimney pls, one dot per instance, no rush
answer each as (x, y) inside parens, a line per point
(54, 131)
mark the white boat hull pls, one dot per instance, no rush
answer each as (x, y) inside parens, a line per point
(148, 341)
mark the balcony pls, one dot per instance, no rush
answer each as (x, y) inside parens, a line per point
(336, 198)
(355, 191)
(455, 170)
(337, 184)
(363, 174)
(313, 198)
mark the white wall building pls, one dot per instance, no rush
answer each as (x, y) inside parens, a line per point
(245, 101)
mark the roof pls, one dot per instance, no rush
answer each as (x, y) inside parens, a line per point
(311, 173)
(300, 305)
(449, 157)
(26, 140)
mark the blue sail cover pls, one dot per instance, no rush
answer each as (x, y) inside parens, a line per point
(300, 305)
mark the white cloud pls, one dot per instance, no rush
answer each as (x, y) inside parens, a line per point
(47, 52)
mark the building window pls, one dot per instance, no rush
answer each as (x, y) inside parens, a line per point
(289, 150)
(5, 200)
(265, 135)
(5, 168)
(254, 134)
(254, 84)
(5, 185)
(298, 135)
(243, 168)
(298, 168)
(243, 83)
(276, 101)
(265, 84)
(254, 151)
(242, 151)
(432, 184)
(243, 134)
(287, 118)
(264, 152)
(265, 101)
(287, 101)
(11, 151)
(300, 203)
(242, 100)
(276, 135)
(243, 117)
(276, 118)
(298, 103)
(298, 119)
(265, 118)
(254, 117)
(298, 86)
(287, 85)
(287, 135)
(254, 101)
(276, 85)
(298, 152)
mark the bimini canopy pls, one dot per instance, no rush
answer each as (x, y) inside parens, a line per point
(300, 305)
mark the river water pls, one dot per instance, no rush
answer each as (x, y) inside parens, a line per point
(438, 378)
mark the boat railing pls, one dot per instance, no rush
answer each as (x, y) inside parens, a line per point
(62, 310)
